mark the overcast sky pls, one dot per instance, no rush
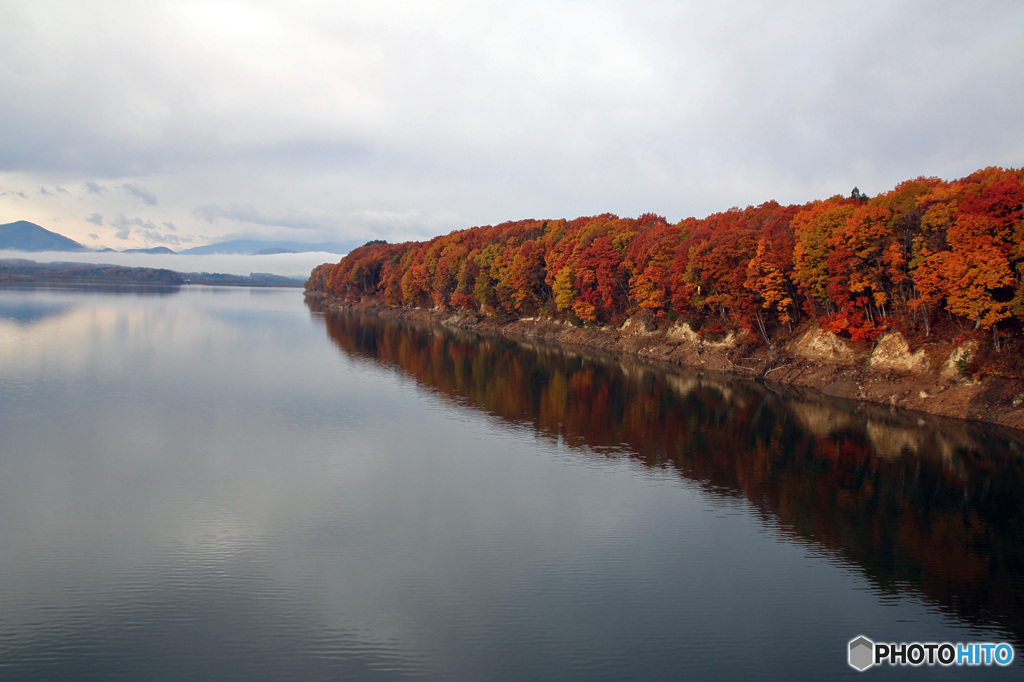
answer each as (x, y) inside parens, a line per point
(179, 123)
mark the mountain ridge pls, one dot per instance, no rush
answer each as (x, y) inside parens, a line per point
(22, 235)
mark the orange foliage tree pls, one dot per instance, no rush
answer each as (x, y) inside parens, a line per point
(859, 264)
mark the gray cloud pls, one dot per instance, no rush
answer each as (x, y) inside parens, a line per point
(161, 238)
(57, 191)
(145, 230)
(249, 214)
(124, 226)
(346, 119)
(95, 219)
(121, 222)
(136, 191)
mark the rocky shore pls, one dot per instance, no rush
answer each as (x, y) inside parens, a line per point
(927, 380)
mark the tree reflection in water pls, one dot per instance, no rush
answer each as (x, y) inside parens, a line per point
(920, 504)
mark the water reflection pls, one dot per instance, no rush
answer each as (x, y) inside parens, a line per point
(30, 303)
(921, 504)
(147, 482)
(200, 486)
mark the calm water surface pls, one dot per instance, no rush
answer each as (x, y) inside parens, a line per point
(206, 483)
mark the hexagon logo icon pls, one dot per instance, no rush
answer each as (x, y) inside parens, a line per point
(862, 653)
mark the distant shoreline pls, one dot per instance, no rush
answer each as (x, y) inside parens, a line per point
(28, 272)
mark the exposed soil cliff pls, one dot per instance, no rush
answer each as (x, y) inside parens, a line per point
(928, 380)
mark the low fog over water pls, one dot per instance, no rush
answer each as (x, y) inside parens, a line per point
(295, 265)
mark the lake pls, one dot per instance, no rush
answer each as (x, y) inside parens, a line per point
(227, 483)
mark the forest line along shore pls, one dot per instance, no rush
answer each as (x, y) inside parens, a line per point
(929, 380)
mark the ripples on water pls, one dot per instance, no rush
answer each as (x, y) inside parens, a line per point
(224, 484)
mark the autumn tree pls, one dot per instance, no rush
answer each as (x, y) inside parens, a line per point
(858, 264)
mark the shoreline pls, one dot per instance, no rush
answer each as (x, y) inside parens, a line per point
(887, 373)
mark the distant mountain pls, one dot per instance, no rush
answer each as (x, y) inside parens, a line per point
(260, 246)
(155, 249)
(26, 236)
(272, 252)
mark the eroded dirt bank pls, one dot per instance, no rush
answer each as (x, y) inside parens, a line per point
(927, 380)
